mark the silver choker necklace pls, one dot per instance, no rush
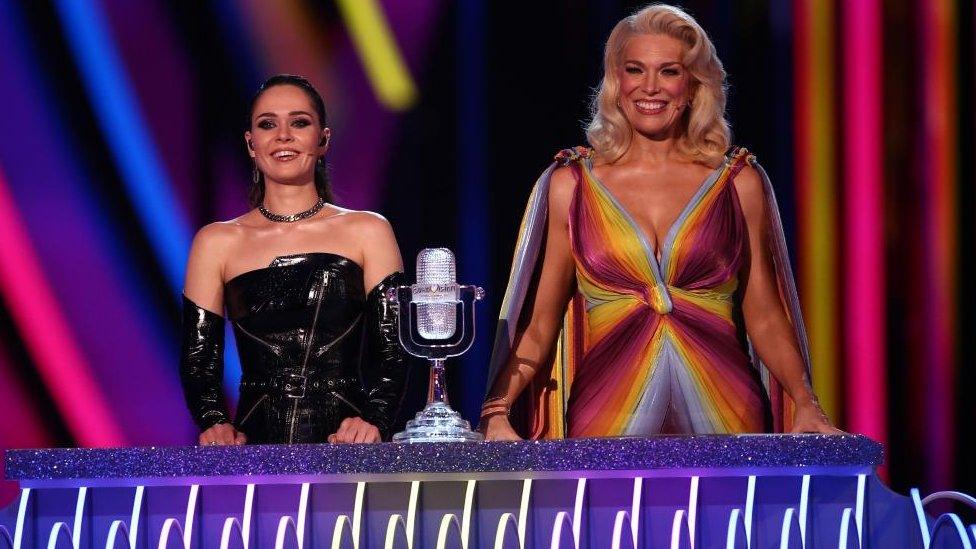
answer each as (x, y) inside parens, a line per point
(278, 218)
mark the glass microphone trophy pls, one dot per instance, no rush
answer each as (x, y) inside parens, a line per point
(432, 308)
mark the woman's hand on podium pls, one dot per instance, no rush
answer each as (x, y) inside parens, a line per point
(222, 434)
(809, 417)
(498, 427)
(355, 429)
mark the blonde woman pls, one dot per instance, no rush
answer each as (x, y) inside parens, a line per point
(651, 290)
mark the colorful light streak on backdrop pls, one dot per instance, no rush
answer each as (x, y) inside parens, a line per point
(83, 265)
(146, 152)
(816, 255)
(864, 257)
(938, 148)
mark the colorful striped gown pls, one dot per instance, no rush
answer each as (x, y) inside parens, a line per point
(661, 351)
(652, 342)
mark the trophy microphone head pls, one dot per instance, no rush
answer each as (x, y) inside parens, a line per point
(436, 294)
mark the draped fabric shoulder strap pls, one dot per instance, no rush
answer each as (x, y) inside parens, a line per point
(782, 406)
(526, 263)
(736, 159)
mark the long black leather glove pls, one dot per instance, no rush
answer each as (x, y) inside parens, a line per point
(385, 368)
(202, 365)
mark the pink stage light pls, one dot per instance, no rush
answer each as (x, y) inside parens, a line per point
(47, 336)
(864, 244)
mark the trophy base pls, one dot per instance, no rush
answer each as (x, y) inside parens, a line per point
(438, 423)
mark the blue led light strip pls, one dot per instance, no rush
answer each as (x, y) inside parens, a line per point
(134, 154)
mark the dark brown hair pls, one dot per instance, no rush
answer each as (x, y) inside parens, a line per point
(255, 193)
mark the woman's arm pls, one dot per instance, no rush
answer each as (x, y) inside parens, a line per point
(202, 353)
(534, 343)
(386, 364)
(767, 323)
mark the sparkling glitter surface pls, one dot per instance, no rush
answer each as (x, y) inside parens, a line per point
(570, 456)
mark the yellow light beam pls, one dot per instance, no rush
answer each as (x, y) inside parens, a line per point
(379, 53)
(818, 233)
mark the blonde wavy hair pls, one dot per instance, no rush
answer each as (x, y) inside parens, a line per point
(704, 135)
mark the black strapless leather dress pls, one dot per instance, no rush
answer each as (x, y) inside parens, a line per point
(314, 349)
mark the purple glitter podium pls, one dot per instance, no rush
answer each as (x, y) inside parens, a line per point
(800, 491)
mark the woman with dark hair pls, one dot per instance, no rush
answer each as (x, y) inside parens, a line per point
(651, 290)
(304, 284)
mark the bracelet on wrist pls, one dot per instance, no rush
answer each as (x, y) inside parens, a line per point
(494, 406)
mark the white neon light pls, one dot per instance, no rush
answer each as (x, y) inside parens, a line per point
(168, 525)
(845, 521)
(784, 532)
(503, 521)
(520, 522)
(79, 516)
(74, 533)
(132, 530)
(243, 527)
(303, 508)
(692, 510)
(804, 500)
(466, 514)
(635, 507)
(949, 494)
(578, 510)
(229, 524)
(957, 527)
(341, 521)
(679, 517)
(283, 524)
(734, 517)
(58, 528)
(575, 521)
(391, 525)
(618, 523)
(397, 518)
(750, 502)
(248, 509)
(859, 508)
(923, 525)
(412, 511)
(632, 518)
(113, 534)
(186, 529)
(446, 521)
(191, 508)
(562, 517)
(464, 525)
(136, 514)
(524, 510)
(21, 516)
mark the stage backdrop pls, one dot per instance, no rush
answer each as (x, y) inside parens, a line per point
(122, 135)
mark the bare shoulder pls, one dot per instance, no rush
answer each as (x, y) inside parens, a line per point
(378, 246)
(219, 235)
(211, 247)
(363, 222)
(563, 180)
(748, 183)
(562, 185)
(369, 229)
(749, 187)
